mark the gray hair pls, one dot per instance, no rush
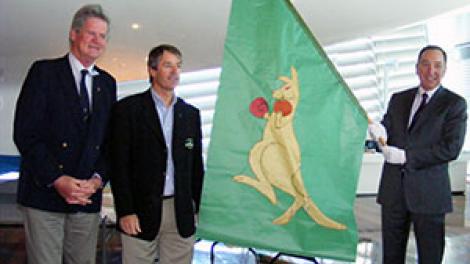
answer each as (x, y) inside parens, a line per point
(85, 12)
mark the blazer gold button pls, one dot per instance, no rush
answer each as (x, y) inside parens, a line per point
(65, 145)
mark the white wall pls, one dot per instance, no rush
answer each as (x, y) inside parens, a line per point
(450, 32)
(8, 96)
(12, 73)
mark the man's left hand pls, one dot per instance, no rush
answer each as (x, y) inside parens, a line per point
(394, 155)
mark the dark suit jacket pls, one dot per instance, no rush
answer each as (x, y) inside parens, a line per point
(138, 163)
(436, 138)
(52, 138)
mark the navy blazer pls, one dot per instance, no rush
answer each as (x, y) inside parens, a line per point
(51, 137)
(139, 158)
(436, 139)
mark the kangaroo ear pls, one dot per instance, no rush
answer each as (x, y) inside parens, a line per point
(293, 72)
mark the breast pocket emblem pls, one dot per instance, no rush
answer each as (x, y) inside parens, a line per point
(188, 143)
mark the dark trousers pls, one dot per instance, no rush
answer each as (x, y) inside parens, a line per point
(429, 230)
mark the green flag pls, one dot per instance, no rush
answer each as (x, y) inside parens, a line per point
(287, 141)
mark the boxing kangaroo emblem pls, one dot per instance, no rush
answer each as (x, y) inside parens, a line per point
(275, 159)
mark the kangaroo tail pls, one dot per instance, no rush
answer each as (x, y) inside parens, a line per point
(314, 212)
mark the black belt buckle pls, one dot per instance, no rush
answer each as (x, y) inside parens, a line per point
(165, 197)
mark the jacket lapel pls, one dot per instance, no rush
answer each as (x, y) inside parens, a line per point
(430, 107)
(408, 104)
(178, 120)
(70, 90)
(97, 102)
(151, 117)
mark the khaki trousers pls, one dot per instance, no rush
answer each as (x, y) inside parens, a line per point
(169, 247)
(56, 238)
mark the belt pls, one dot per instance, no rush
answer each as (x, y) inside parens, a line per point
(165, 197)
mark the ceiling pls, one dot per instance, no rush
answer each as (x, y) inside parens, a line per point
(39, 28)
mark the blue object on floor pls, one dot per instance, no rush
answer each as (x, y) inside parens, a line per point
(8, 164)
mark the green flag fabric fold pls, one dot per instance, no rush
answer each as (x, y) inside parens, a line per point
(287, 142)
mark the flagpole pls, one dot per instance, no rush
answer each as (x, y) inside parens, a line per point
(325, 56)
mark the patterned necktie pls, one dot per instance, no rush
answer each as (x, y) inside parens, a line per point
(419, 111)
(84, 101)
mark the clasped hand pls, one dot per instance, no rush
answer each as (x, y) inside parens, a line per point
(76, 191)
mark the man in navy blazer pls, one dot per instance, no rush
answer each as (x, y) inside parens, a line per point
(59, 129)
(156, 166)
(424, 129)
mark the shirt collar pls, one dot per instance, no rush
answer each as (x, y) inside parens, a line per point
(421, 91)
(77, 66)
(159, 100)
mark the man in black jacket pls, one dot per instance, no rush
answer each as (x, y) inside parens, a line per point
(156, 166)
(60, 122)
(425, 127)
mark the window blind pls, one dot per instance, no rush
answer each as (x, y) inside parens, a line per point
(373, 67)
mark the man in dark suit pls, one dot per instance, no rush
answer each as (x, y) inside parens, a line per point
(156, 166)
(425, 127)
(59, 128)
